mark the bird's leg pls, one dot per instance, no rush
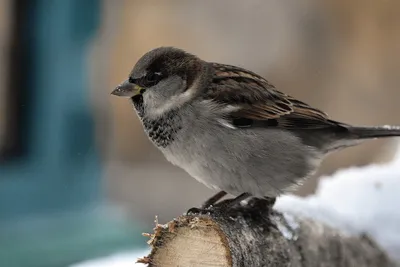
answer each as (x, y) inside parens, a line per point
(208, 203)
(223, 206)
(212, 200)
(230, 203)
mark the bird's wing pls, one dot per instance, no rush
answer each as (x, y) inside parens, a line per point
(256, 99)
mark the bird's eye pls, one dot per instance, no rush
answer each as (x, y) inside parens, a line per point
(152, 79)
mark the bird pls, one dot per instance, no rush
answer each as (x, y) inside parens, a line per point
(230, 128)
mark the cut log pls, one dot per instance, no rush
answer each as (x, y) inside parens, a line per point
(250, 236)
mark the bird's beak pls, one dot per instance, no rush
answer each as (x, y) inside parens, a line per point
(127, 89)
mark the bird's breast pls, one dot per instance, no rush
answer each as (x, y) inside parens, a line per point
(162, 131)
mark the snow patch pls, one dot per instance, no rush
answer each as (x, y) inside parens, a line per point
(122, 259)
(356, 200)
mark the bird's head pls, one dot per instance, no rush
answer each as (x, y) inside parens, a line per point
(164, 79)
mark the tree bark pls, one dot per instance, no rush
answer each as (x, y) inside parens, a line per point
(250, 236)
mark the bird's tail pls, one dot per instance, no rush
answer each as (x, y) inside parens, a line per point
(354, 135)
(361, 133)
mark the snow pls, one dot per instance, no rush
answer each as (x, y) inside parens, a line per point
(288, 228)
(355, 200)
(122, 259)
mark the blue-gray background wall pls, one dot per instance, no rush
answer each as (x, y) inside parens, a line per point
(51, 201)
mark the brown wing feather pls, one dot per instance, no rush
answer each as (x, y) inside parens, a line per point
(257, 99)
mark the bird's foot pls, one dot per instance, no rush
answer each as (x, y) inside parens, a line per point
(196, 211)
(207, 205)
(213, 200)
(220, 207)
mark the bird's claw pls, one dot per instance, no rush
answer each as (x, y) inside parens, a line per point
(202, 211)
(193, 211)
(220, 207)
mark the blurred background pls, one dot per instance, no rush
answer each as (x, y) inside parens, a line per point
(78, 177)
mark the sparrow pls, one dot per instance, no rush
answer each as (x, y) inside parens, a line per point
(230, 128)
